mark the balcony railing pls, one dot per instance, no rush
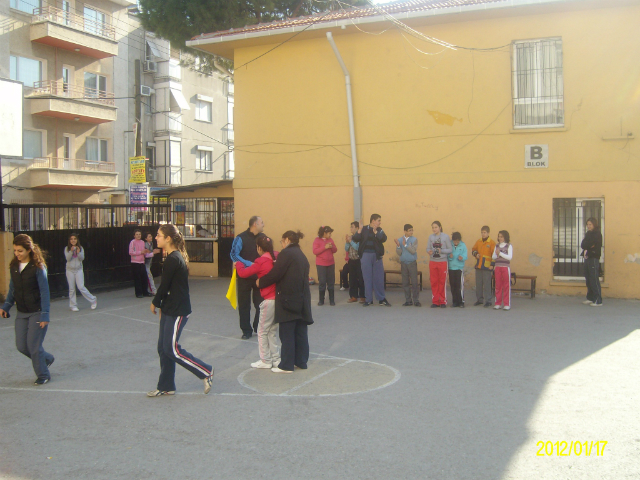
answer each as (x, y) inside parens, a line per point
(73, 164)
(74, 20)
(73, 92)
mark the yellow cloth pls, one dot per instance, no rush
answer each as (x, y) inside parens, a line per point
(231, 293)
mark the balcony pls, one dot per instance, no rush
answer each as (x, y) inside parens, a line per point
(72, 174)
(70, 31)
(168, 125)
(227, 134)
(72, 102)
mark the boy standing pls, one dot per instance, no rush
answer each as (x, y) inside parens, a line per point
(356, 282)
(456, 267)
(406, 248)
(483, 250)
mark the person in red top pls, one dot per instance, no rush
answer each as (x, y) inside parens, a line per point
(323, 248)
(268, 343)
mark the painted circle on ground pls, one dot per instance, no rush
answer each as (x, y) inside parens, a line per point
(324, 377)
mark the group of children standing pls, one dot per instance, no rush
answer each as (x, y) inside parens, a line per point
(447, 257)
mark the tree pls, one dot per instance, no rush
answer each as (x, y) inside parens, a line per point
(181, 20)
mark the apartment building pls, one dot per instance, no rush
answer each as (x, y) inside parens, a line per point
(90, 73)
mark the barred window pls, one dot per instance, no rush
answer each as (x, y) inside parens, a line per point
(538, 92)
(569, 227)
(199, 251)
(195, 217)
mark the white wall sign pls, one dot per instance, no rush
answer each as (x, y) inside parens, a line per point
(536, 156)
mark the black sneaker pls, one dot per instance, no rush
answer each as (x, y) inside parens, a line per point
(479, 302)
(41, 381)
(384, 303)
(366, 304)
(147, 294)
(488, 304)
(443, 306)
(433, 305)
(417, 304)
(407, 304)
(49, 363)
(246, 337)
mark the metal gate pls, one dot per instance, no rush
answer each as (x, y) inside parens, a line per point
(107, 263)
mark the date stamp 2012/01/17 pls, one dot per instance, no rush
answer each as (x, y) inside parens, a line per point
(566, 449)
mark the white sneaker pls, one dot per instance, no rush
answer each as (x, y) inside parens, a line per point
(277, 370)
(507, 308)
(497, 307)
(94, 305)
(587, 302)
(261, 364)
(342, 289)
(594, 304)
(75, 309)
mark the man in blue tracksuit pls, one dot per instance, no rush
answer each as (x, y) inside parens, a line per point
(244, 250)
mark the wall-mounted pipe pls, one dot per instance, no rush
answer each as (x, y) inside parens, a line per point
(357, 190)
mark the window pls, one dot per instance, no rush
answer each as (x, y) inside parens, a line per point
(148, 104)
(204, 110)
(25, 70)
(66, 79)
(32, 144)
(203, 159)
(27, 6)
(151, 155)
(569, 226)
(97, 149)
(174, 69)
(175, 159)
(199, 251)
(95, 85)
(538, 92)
(66, 12)
(199, 213)
(94, 21)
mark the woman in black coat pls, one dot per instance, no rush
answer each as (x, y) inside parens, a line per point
(290, 273)
(591, 249)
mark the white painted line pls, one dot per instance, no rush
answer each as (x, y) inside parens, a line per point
(116, 392)
(311, 380)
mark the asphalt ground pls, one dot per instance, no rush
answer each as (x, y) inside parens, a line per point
(398, 392)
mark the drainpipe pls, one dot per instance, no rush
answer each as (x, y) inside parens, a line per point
(357, 191)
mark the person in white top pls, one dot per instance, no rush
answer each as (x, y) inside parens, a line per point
(74, 253)
(502, 256)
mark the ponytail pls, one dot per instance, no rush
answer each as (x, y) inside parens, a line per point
(293, 237)
(177, 240)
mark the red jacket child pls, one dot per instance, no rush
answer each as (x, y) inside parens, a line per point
(260, 267)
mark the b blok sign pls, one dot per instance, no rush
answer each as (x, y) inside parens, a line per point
(536, 156)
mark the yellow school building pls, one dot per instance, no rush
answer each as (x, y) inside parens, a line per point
(521, 115)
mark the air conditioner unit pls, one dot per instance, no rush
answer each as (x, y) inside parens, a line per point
(153, 175)
(150, 67)
(146, 91)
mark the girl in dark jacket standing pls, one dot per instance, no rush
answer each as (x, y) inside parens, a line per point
(174, 303)
(591, 249)
(29, 289)
(290, 273)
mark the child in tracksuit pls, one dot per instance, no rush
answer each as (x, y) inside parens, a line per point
(407, 250)
(439, 248)
(502, 256)
(483, 250)
(456, 269)
(268, 344)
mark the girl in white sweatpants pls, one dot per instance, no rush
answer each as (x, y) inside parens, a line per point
(74, 253)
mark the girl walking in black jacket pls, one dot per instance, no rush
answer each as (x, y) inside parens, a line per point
(172, 299)
(591, 249)
(290, 273)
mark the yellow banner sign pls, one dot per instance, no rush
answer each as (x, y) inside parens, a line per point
(138, 170)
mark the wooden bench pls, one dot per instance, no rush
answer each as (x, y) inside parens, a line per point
(514, 279)
(398, 272)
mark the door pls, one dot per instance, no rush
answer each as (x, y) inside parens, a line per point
(225, 239)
